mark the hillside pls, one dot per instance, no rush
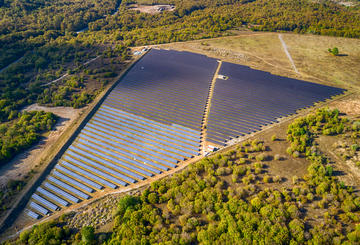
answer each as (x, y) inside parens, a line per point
(134, 153)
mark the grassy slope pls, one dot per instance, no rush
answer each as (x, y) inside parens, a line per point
(264, 51)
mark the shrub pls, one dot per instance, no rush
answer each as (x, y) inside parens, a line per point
(334, 51)
(277, 157)
(296, 154)
(295, 180)
(277, 179)
(355, 147)
(256, 203)
(274, 137)
(310, 196)
(88, 234)
(267, 179)
(260, 157)
(152, 198)
(242, 161)
(356, 126)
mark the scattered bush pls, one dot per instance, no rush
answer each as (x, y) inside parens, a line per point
(274, 137)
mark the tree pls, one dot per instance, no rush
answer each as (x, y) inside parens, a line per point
(88, 234)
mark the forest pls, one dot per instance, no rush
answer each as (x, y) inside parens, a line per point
(231, 198)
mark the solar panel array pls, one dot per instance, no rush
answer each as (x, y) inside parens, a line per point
(148, 124)
(250, 99)
(167, 86)
(152, 120)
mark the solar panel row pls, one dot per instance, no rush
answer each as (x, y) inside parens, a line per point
(251, 99)
(32, 214)
(52, 196)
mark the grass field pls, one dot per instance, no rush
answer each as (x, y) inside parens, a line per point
(264, 51)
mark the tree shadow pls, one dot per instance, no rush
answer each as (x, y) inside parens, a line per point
(338, 173)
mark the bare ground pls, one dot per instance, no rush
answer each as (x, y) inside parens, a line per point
(23, 163)
(151, 9)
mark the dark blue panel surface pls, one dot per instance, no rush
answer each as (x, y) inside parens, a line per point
(250, 99)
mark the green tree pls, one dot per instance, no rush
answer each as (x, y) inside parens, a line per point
(88, 235)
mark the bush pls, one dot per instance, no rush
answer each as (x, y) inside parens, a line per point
(88, 234)
(277, 179)
(356, 126)
(127, 202)
(261, 157)
(277, 157)
(152, 198)
(355, 147)
(242, 160)
(256, 203)
(267, 179)
(334, 51)
(274, 137)
(296, 154)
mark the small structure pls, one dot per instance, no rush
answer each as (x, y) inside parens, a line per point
(212, 148)
(146, 48)
(223, 77)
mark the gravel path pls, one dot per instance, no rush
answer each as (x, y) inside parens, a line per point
(287, 53)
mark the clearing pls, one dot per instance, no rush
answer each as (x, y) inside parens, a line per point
(151, 9)
(29, 159)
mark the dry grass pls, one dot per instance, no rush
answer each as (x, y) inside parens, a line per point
(264, 51)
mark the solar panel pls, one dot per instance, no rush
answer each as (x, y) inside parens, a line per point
(101, 152)
(87, 141)
(72, 181)
(79, 177)
(101, 167)
(130, 115)
(89, 175)
(114, 136)
(187, 144)
(60, 191)
(96, 159)
(175, 135)
(134, 147)
(38, 208)
(95, 171)
(52, 196)
(251, 99)
(103, 157)
(32, 214)
(148, 135)
(138, 123)
(45, 202)
(70, 189)
(153, 124)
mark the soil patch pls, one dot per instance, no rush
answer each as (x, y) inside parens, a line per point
(151, 9)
